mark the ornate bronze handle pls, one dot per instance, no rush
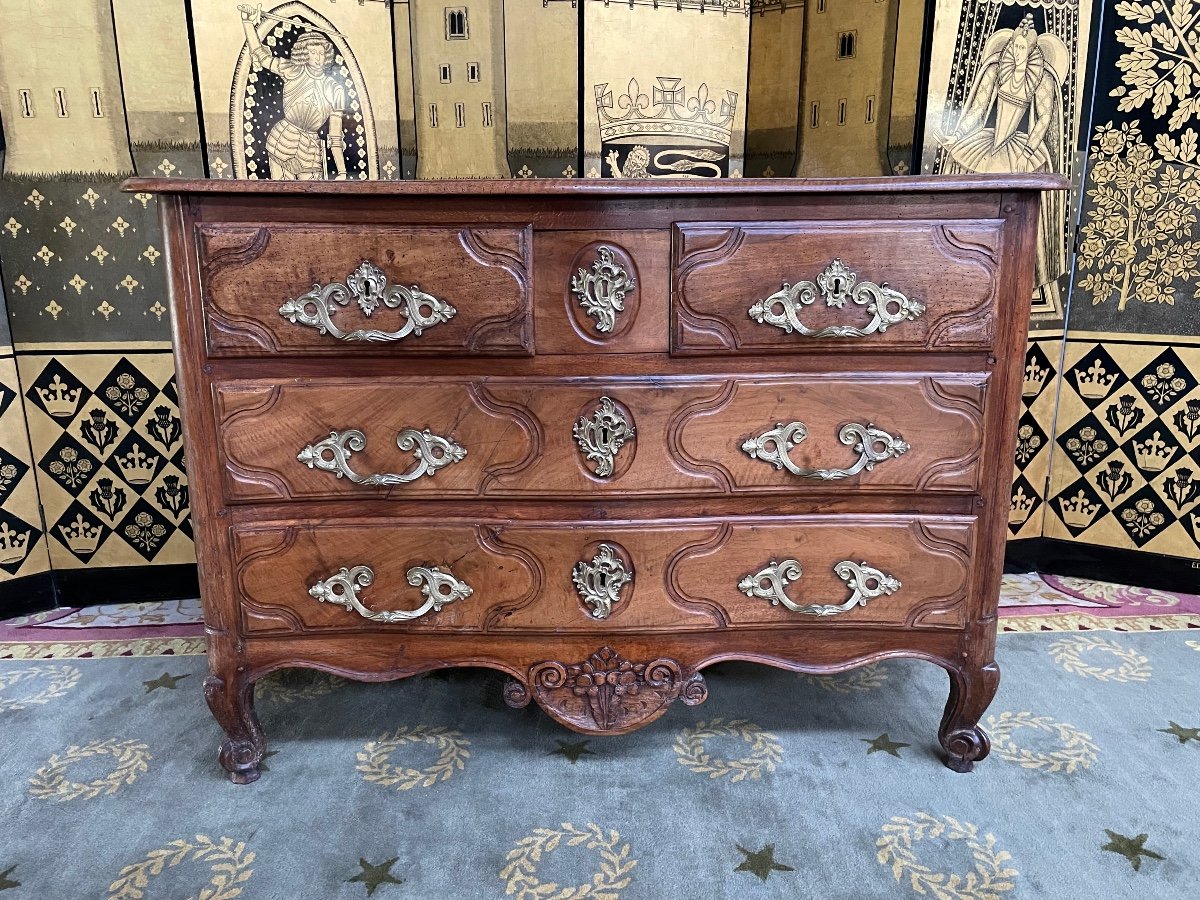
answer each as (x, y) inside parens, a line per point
(369, 286)
(836, 285)
(872, 444)
(437, 587)
(333, 455)
(865, 583)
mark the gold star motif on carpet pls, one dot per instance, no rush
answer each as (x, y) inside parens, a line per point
(572, 750)
(1132, 848)
(761, 862)
(884, 744)
(6, 882)
(165, 680)
(374, 876)
(1184, 734)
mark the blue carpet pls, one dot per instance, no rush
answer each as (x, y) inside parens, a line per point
(778, 786)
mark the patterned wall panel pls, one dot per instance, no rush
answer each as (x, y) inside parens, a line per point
(22, 542)
(1035, 430)
(1127, 448)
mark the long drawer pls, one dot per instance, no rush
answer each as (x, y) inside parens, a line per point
(590, 577)
(569, 438)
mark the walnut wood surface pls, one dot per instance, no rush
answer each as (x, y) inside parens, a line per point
(685, 572)
(688, 434)
(247, 272)
(721, 270)
(690, 516)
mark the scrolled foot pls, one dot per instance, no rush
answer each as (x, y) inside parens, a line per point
(971, 691)
(240, 759)
(966, 747)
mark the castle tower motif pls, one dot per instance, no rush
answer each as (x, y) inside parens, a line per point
(850, 52)
(458, 87)
(62, 106)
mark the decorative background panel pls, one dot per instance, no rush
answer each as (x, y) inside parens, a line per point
(91, 465)
(1128, 447)
(664, 88)
(22, 545)
(1128, 433)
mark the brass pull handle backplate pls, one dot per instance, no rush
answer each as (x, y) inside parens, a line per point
(437, 587)
(873, 445)
(332, 454)
(836, 285)
(369, 286)
(865, 583)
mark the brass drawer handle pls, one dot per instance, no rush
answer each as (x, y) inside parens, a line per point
(369, 286)
(865, 583)
(333, 455)
(836, 285)
(873, 445)
(437, 587)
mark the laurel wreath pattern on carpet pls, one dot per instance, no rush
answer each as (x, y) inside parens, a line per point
(1078, 750)
(375, 757)
(856, 681)
(691, 749)
(287, 686)
(50, 782)
(60, 679)
(613, 875)
(991, 876)
(1070, 653)
(229, 862)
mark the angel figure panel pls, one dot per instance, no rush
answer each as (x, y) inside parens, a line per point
(1009, 104)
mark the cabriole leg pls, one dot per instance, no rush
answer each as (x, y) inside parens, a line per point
(232, 704)
(971, 691)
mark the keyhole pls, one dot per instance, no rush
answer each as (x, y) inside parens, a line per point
(837, 285)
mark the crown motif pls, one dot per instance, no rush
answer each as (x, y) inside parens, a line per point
(1077, 512)
(13, 545)
(1153, 454)
(1095, 383)
(1020, 507)
(671, 114)
(137, 465)
(80, 537)
(60, 401)
(1035, 378)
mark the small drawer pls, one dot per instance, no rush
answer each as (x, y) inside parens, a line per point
(587, 577)
(779, 287)
(601, 291)
(461, 437)
(365, 290)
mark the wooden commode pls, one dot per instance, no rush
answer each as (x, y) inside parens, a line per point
(599, 435)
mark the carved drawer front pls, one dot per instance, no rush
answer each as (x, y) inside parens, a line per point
(593, 577)
(601, 291)
(577, 438)
(784, 286)
(354, 290)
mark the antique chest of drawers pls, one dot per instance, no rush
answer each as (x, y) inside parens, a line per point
(599, 435)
